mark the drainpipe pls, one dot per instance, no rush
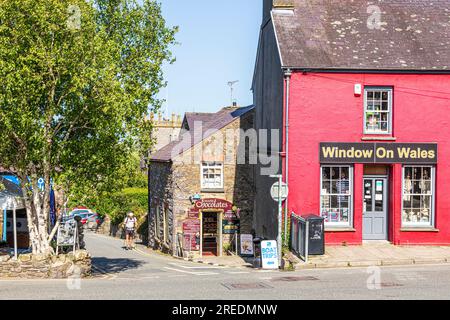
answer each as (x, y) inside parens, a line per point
(287, 75)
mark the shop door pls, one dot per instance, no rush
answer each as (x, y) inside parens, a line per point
(209, 234)
(375, 213)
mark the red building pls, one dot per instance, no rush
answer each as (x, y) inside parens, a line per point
(363, 106)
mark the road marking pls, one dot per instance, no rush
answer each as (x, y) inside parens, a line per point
(195, 267)
(412, 276)
(190, 272)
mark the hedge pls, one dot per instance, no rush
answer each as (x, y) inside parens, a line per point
(118, 204)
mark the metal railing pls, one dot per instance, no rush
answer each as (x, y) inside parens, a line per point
(234, 243)
(299, 236)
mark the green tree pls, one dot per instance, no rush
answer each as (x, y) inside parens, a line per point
(78, 78)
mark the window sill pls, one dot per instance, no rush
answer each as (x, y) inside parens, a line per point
(380, 138)
(419, 229)
(339, 229)
(213, 190)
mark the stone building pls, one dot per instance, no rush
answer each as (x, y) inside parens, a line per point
(165, 130)
(199, 196)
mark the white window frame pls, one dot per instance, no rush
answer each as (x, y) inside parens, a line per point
(349, 223)
(390, 91)
(431, 223)
(209, 165)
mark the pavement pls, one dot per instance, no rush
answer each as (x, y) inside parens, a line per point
(139, 274)
(377, 254)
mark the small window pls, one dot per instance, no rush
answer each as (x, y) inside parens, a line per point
(157, 221)
(418, 196)
(212, 175)
(378, 111)
(336, 195)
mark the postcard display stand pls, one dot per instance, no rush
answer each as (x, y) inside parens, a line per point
(68, 235)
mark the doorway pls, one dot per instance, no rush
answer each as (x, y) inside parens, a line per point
(375, 208)
(211, 234)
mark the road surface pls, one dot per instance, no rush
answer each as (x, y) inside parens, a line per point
(121, 274)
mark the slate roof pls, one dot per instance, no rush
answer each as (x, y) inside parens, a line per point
(216, 121)
(191, 117)
(338, 34)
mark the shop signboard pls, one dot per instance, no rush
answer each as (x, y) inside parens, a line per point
(230, 226)
(269, 254)
(191, 231)
(340, 152)
(193, 214)
(247, 245)
(67, 233)
(213, 203)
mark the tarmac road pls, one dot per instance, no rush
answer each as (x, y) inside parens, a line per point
(121, 274)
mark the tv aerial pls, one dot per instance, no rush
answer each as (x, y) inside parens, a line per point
(231, 85)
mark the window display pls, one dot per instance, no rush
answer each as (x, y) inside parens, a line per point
(377, 111)
(417, 195)
(336, 195)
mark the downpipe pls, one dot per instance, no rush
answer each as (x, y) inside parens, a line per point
(287, 76)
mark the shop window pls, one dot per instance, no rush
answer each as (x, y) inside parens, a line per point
(212, 175)
(418, 196)
(336, 194)
(377, 111)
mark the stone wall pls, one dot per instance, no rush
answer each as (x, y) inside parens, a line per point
(160, 199)
(238, 178)
(117, 230)
(28, 266)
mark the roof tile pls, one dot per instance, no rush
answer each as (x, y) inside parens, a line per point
(331, 34)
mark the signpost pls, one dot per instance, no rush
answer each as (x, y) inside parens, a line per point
(276, 191)
(270, 255)
(279, 193)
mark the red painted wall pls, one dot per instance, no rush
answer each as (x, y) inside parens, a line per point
(323, 108)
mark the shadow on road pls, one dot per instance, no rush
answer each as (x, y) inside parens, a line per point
(115, 265)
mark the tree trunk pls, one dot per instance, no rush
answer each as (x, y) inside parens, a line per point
(37, 213)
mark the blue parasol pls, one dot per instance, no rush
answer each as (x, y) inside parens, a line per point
(52, 208)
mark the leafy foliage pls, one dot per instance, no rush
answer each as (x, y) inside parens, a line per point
(78, 78)
(116, 205)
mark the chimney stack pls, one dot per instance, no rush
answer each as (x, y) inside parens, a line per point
(268, 5)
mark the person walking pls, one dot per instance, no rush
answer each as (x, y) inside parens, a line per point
(130, 229)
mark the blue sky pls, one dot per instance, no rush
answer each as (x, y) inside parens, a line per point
(218, 42)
